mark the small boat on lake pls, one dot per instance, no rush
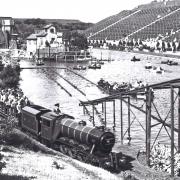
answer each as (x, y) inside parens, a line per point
(83, 58)
(172, 63)
(100, 62)
(158, 70)
(164, 62)
(148, 66)
(134, 59)
(94, 65)
(39, 62)
(79, 67)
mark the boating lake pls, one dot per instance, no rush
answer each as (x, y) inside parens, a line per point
(40, 86)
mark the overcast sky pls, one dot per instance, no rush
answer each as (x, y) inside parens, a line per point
(84, 10)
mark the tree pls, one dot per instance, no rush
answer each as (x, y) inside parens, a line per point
(37, 21)
(78, 40)
(10, 77)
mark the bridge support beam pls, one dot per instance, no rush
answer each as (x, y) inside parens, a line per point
(148, 124)
(105, 121)
(121, 118)
(172, 131)
(114, 114)
(129, 120)
(178, 120)
(93, 115)
(102, 104)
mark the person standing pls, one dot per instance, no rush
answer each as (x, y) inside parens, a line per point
(56, 108)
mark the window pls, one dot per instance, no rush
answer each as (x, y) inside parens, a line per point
(46, 123)
(52, 30)
(52, 40)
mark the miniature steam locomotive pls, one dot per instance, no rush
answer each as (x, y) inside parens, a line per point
(61, 132)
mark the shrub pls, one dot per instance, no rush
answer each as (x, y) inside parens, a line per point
(10, 77)
(6, 129)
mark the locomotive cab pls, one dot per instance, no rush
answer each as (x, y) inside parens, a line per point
(50, 125)
(47, 125)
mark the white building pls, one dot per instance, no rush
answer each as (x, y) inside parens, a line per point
(32, 43)
(47, 37)
(7, 24)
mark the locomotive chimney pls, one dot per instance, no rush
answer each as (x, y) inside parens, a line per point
(82, 123)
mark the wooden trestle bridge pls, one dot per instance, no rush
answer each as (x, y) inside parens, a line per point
(173, 86)
(151, 110)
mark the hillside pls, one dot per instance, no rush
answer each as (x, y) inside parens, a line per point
(60, 21)
(27, 26)
(24, 159)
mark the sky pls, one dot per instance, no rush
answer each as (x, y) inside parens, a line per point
(83, 10)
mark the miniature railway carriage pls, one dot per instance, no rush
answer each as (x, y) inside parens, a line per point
(31, 118)
(61, 132)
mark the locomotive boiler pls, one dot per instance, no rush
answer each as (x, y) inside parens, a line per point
(61, 132)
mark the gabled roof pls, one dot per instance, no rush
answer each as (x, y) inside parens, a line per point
(41, 34)
(32, 37)
(47, 26)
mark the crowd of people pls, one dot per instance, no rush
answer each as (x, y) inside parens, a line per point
(113, 88)
(161, 159)
(152, 44)
(12, 100)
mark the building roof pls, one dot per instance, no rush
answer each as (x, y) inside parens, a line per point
(41, 34)
(32, 37)
(47, 26)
